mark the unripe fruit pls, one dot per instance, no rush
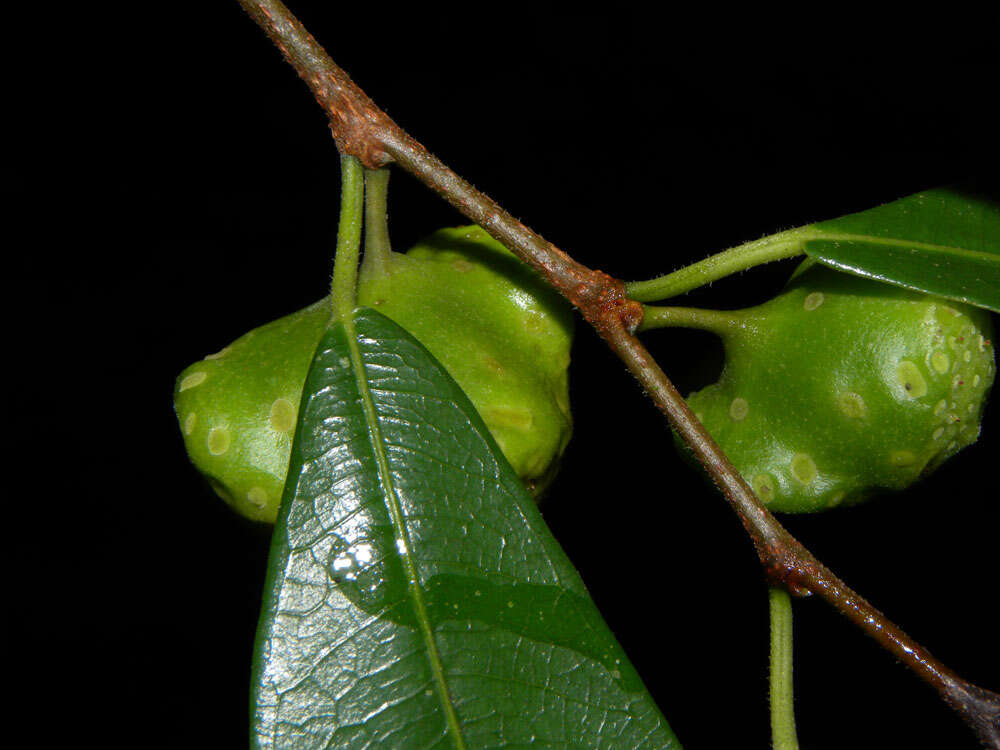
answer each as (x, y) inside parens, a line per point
(484, 315)
(841, 387)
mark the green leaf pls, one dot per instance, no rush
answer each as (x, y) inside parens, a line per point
(415, 597)
(941, 241)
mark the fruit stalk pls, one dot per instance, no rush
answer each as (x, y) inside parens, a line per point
(377, 244)
(714, 321)
(361, 129)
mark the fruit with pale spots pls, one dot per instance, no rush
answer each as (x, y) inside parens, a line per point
(841, 387)
(497, 329)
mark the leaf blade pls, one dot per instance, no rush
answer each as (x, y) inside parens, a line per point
(942, 241)
(342, 656)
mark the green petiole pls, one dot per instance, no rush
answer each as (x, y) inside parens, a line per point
(782, 693)
(345, 267)
(765, 250)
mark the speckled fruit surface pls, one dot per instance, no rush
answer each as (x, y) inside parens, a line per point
(841, 387)
(498, 331)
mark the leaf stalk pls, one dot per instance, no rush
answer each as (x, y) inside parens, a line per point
(765, 250)
(343, 288)
(783, 735)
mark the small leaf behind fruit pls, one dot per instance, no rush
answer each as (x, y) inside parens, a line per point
(943, 241)
(415, 597)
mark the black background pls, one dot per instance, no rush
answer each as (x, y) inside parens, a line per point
(173, 184)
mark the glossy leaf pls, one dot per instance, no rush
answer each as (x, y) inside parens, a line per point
(415, 597)
(943, 241)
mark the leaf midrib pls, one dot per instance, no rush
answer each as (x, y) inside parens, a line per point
(943, 249)
(396, 514)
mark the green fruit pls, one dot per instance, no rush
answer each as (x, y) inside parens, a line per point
(841, 387)
(484, 315)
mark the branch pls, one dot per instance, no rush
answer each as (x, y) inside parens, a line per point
(362, 130)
